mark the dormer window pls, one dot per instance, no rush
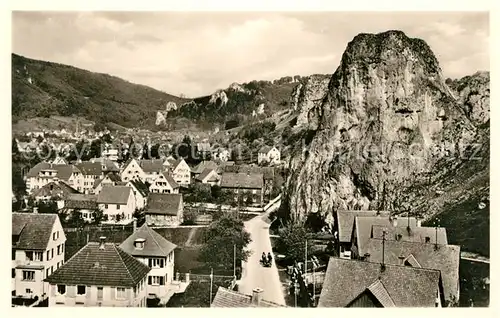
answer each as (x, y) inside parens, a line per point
(139, 243)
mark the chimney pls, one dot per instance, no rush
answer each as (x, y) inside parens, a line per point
(401, 259)
(399, 237)
(135, 224)
(419, 222)
(256, 295)
(102, 241)
(367, 257)
(394, 221)
(35, 209)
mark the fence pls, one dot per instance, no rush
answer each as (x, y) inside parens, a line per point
(204, 278)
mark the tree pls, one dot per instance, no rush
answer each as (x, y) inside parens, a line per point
(146, 151)
(47, 206)
(291, 241)
(155, 151)
(219, 241)
(98, 216)
(75, 219)
(95, 149)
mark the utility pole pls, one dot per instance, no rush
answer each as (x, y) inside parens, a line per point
(305, 261)
(437, 224)
(314, 286)
(383, 249)
(211, 279)
(234, 261)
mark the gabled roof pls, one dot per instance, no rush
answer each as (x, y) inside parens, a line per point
(140, 186)
(163, 203)
(152, 165)
(175, 163)
(204, 165)
(265, 149)
(114, 195)
(206, 173)
(345, 221)
(109, 266)
(268, 172)
(364, 225)
(406, 286)
(34, 230)
(226, 298)
(111, 176)
(445, 258)
(55, 189)
(37, 168)
(155, 244)
(415, 234)
(90, 168)
(81, 201)
(170, 180)
(242, 180)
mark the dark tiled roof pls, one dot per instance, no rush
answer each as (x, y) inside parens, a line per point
(345, 221)
(163, 203)
(268, 172)
(65, 171)
(170, 180)
(406, 286)
(155, 244)
(242, 180)
(364, 227)
(114, 195)
(92, 266)
(34, 230)
(140, 186)
(226, 298)
(37, 168)
(205, 174)
(204, 165)
(415, 234)
(445, 258)
(90, 168)
(81, 201)
(55, 189)
(152, 165)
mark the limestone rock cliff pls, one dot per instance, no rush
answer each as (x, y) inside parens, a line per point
(307, 98)
(473, 93)
(385, 117)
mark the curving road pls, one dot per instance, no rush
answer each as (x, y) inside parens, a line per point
(254, 274)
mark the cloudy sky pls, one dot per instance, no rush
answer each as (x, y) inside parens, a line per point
(197, 53)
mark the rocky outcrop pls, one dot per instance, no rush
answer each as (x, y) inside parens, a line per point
(473, 93)
(307, 98)
(219, 96)
(380, 122)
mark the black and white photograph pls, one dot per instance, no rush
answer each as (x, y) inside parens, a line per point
(214, 159)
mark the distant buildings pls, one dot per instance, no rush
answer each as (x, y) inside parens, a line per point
(269, 155)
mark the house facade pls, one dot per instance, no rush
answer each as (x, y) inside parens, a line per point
(152, 168)
(117, 203)
(164, 210)
(208, 176)
(244, 187)
(270, 155)
(181, 172)
(43, 173)
(164, 183)
(110, 179)
(38, 244)
(100, 274)
(91, 171)
(132, 170)
(86, 204)
(153, 250)
(141, 193)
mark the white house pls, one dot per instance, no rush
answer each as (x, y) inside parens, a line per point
(110, 153)
(84, 203)
(164, 183)
(152, 249)
(43, 173)
(37, 251)
(152, 168)
(109, 179)
(141, 193)
(270, 155)
(117, 202)
(208, 176)
(132, 170)
(222, 154)
(180, 171)
(91, 171)
(56, 190)
(99, 275)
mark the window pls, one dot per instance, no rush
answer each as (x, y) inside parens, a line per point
(118, 207)
(156, 263)
(52, 253)
(61, 289)
(55, 235)
(47, 272)
(13, 273)
(58, 249)
(28, 291)
(105, 206)
(29, 256)
(81, 290)
(156, 280)
(120, 293)
(38, 256)
(29, 275)
(99, 293)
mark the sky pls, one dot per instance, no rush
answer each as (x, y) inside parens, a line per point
(196, 53)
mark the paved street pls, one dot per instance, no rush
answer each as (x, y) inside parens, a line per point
(254, 274)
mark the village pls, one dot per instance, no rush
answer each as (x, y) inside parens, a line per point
(125, 230)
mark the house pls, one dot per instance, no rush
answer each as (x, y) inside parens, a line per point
(111, 178)
(418, 234)
(202, 166)
(164, 209)
(269, 155)
(180, 171)
(110, 153)
(99, 274)
(221, 154)
(244, 186)
(152, 249)
(38, 243)
(86, 204)
(164, 183)
(44, 173)
(226, 298)
(91, 171)
(59, 161)
(208, 176)
(343, 224)
(117, 203)
(56, 190)
(352, 283)
(107, 165)
(267, 172)
(152, 168)
(444, 258)
(141, 193)
(203, 149)
(132, 170)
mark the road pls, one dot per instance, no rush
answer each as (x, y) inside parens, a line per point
(254, 274)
